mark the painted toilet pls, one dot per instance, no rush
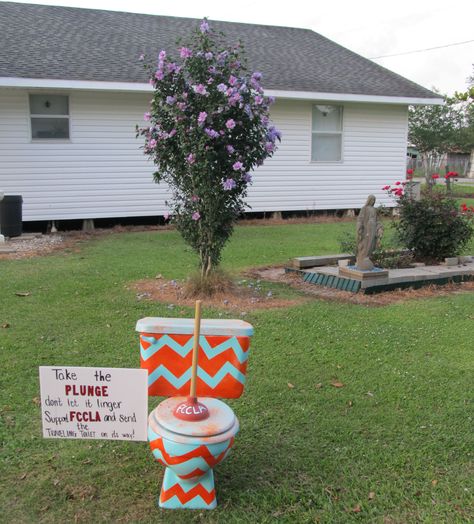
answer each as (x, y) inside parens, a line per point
(191, 449)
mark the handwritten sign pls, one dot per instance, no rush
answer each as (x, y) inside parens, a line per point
(94, 403)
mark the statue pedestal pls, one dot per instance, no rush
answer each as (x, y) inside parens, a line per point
(361, 274)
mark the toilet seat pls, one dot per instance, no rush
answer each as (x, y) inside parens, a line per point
(221, 425)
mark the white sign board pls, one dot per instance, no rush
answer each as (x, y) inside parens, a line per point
(94, 403)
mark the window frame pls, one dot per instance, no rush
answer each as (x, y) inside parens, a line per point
(327, 133)
(31, 116)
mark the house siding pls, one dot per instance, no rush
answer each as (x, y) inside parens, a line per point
(101, 172)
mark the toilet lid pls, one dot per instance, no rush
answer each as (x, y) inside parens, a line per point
(221, 418)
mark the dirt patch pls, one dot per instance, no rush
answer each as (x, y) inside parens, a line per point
(294, 280)
(32, 245)
(246, 296)
(39, 245)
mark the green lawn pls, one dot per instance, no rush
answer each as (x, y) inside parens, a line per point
(401, 428)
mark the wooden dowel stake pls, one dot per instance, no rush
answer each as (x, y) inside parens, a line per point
(197, 331)
(191, 409)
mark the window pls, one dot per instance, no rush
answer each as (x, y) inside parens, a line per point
(326, 140)
(49, 117)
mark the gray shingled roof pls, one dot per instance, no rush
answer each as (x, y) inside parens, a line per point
(39, 41)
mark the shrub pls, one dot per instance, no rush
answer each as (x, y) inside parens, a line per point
(433, 227)
(387, 255)
(208, 128)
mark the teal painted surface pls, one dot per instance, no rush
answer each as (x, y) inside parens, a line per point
(188, 481)
(212, 381)
(184, 350)
(170, 479)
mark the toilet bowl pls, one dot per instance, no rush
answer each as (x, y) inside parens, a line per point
(190, 450)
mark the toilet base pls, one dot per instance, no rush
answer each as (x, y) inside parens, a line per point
(196, 493)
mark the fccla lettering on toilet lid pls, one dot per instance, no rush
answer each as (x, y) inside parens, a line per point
(221, 418)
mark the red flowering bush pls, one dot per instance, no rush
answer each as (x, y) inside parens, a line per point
(398, 190)
(468, 210)
(450, 178)
(433, 227)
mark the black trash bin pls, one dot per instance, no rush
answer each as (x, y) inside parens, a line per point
(11, 215)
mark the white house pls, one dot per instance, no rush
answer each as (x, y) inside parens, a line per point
(72, 91)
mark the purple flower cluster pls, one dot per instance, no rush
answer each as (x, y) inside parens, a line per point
(211, 133)
(228, 184)
(206, 104)
(200, 89)
(184, 52)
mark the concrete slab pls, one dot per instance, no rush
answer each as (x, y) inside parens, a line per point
(325, 260)
(442, 272)
(25, 236)
(326, 270)
(6, 250)
(408, 275)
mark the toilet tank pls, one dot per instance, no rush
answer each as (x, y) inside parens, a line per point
(166, 346)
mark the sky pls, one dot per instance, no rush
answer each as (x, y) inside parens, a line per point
(371, 28)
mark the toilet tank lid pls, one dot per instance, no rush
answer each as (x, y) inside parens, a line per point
(185, 326)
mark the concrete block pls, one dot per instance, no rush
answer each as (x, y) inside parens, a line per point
(344, 262)
(356, 274)
(325, 260)
(451, 261)
(374, 282)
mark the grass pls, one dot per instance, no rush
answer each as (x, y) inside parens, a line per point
(462, 192)
(394, 444)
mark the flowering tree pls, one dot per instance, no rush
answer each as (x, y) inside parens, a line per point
(209, 127)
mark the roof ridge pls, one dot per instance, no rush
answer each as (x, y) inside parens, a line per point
(89, 9)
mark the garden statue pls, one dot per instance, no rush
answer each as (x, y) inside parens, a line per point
(369, 230)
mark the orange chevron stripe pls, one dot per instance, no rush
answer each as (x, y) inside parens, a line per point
(184, 496)
(169, 356)
(201, 452)
(196, 473)
(229, 387)
(179, 365)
